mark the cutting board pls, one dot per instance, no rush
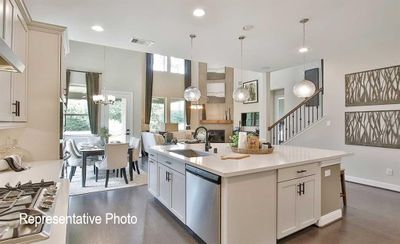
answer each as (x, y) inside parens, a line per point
(235, 156)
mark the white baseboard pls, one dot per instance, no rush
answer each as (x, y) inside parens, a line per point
(329, 218)
(373, 183)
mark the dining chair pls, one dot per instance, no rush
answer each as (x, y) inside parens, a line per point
(135, 144)
(75, 159)
(116, 156)
(149, 140)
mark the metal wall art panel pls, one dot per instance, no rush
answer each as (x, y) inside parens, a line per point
(373, 87)
(373, 128)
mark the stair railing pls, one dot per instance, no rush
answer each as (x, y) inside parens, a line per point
(297, 119)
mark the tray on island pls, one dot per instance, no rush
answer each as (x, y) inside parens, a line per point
(264, 150)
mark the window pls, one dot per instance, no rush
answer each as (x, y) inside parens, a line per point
(177, 112)
(157, 118)
(160, 63)
(76, 117)
(177, 65)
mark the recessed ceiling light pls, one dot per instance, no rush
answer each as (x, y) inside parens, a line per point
(97, 28)
(303, 49)
(199, 12)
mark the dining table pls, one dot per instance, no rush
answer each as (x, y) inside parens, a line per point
(98, 151)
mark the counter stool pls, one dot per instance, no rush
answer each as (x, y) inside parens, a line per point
(343, 185)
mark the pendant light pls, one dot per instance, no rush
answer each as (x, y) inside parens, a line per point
(192, 93)
(241, 93)
(304, 88)
(101, 98)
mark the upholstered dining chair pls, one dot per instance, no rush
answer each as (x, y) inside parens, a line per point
(135, 144)
(116, 157)
(75, 159)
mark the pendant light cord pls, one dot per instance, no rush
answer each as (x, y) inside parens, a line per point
(241, 60)
(304, 44)
(241, 38)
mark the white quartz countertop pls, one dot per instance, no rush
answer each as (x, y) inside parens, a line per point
(282, 157)
(49, 171)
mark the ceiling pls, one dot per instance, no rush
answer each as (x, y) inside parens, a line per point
(335, 26)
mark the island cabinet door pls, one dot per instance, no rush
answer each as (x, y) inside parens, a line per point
(153, 177)
(306, 202)
(287, 195)
(178, 197)
(165, 187)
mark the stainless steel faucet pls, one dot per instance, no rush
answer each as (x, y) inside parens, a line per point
(208, 143)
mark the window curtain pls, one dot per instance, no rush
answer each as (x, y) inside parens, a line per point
(149, 87)
(92, 88)
(68, 79)
(188, 82)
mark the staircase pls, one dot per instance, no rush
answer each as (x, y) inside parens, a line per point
(298, 119)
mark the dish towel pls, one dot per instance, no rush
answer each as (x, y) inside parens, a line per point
(13, 162)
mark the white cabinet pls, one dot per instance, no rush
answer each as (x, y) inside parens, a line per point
(178, 194)
(13, 92)
(5, 97)
(153, 177)
(298, 204)
(19, 80)
(167, 182)
(8, 15)
(165, 186)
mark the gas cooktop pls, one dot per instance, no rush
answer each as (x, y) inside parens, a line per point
(22, 202)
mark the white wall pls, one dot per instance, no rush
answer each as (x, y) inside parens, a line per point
(123, 70)
(368, 163)
(286, 79)
(260, 107)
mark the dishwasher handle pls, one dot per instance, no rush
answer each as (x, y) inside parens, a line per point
(216, 179)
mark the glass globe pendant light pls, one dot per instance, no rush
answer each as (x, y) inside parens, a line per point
(241, 93)
(304, 88)
(192, 93)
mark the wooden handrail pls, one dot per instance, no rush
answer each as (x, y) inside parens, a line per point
(295, 108)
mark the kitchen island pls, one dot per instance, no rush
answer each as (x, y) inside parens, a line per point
(258, 199)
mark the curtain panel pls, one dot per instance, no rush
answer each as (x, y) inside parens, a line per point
(188, 82)
(92, 88)
(68, 80)
(149, 87)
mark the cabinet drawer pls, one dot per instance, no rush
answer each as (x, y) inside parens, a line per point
(297, 171)
(153, 155)
(172, 163)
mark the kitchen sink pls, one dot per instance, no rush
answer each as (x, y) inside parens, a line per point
(189, 153)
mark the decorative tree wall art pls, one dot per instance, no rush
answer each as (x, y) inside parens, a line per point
(373, 87)
(373, 128)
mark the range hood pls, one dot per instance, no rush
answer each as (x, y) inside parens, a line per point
(8, 60)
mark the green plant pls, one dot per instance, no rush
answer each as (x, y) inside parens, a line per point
(234, 139)
(104, 133)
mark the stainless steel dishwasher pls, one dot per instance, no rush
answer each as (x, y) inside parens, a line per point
(203, 204)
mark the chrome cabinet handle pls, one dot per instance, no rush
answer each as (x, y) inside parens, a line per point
(299, 189)
(301, 171)
(304, 188)
(152, 155)
(168, 162)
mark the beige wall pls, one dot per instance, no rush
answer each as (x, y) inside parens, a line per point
(253, 107)
(122, 70)
(367, 163)
(39, 139)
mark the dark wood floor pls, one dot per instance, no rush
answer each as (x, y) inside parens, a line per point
(372, 216)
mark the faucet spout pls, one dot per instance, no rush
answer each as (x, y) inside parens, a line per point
(208, 143)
